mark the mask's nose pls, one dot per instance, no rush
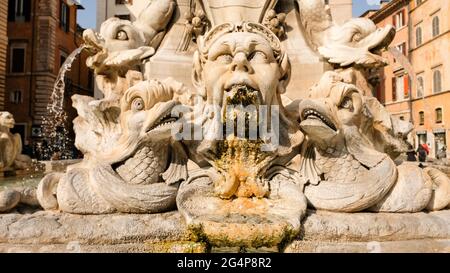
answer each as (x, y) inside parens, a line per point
(240, 63)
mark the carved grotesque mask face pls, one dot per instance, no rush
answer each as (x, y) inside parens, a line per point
(7, 120)
(241, 59)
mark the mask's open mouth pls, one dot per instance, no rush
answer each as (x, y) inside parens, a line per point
(241, 94)
(310, 115)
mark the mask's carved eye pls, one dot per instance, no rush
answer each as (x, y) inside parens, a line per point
(137, 104)
(225, 59)
(258, 57)
(346, 103)
(122, 35)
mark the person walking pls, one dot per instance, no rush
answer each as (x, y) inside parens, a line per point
(411, 154)
(422, 152)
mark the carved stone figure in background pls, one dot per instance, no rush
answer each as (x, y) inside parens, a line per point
(11, 157)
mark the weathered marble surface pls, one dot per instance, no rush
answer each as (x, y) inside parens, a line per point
(413, 246)
(61, 228)
(321, 232)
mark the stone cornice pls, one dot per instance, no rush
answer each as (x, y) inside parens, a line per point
(388, 10)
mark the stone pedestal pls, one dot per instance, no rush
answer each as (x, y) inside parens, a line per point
(321, 232)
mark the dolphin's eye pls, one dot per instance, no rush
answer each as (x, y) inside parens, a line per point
(137, 104)
(357, 37)
(122, 35)
(346, 103)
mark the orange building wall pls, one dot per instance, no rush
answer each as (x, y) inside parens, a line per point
(43, 63)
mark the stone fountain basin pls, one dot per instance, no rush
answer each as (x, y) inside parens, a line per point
(44, 231)
(32, 178)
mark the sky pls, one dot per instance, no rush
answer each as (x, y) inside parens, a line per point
(361, 6)
(87, 17)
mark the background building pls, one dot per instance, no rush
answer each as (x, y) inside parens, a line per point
(41, 35)
(419, 91)
(3, 51)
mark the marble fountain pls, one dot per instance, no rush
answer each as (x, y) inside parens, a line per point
(213, 155)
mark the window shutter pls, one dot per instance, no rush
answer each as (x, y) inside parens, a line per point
(11, 10)
(406, 86)
(27, 10)
(394, 20)
(68, 18)
(394, 89)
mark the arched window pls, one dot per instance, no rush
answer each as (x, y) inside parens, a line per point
(439, 115)
(436, 30)
(420, 87)
(437, 81)
(418, 36)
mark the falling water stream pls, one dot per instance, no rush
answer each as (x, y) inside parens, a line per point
(56, 143)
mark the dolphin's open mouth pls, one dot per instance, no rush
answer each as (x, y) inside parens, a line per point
(165, 119)
(310, 113)
(381, 40)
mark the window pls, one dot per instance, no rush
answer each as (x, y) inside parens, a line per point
(418, 36)
(436, 30)
(19, 10)
(394, 89)
(16, 97)
(437, 81)
(91, 81)
(420, 87)
(400, 88)
(421, 118)
(64, 17)
(62, 58)
(418, 2)
(18, 58)
(123, 16)
(402, 48)
(439, 115)
(402, 118)
(123, 2)
(399, 19)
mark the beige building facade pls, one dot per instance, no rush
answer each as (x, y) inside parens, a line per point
(430, 56)
(418, 91)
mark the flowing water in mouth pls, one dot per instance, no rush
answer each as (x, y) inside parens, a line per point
(239, 157)
(56, 143)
